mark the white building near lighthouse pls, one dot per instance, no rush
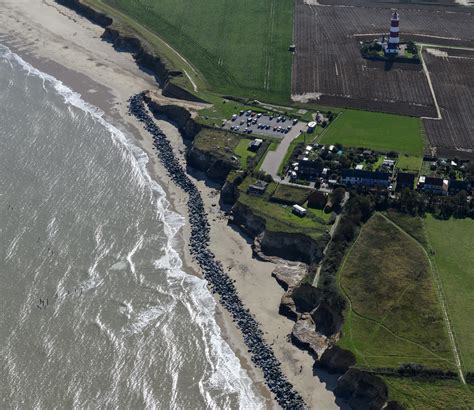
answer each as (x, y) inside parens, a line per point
(393, 42)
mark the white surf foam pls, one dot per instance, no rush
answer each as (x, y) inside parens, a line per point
(227, 375)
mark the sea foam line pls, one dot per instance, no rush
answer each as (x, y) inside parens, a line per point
(227, 373)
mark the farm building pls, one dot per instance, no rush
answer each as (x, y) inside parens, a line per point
(365, 178)
(405, 180)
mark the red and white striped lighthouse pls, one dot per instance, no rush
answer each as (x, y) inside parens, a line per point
(394, 37)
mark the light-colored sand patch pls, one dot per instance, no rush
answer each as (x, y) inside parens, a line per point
(437, 53)
(307, 97)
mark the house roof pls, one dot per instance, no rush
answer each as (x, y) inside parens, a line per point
(434, 181)
(360, 173)
(406, 177)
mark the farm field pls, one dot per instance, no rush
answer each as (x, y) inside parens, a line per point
(236, 50)
(454, 258)
(424, 395)
(334, 73)
(381, 132)
(454, 88)
(381, 276)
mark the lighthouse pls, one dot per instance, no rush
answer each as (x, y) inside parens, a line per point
(393, 42)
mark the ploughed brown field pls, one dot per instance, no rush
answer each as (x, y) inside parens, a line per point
(329, 69)
(453, 82)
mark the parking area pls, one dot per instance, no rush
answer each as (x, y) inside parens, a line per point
(248, 122)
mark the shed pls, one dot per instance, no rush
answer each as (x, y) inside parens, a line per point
(298, 210)
(258, 188)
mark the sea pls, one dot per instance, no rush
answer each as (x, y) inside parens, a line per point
(95, 308)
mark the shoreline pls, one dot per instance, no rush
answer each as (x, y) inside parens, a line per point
(107, 82)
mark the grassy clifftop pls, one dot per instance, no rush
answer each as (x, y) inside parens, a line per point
(394, 315)
(225, 47)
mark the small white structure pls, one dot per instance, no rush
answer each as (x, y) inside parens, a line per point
(298, 210)
(360, 166)
(311, 126)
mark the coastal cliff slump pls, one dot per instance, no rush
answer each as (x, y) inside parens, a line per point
(290, 246)
(216, 168)
(145, 59)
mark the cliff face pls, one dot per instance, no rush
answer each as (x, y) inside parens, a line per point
(215, 168)
(144, 59)
(179, 116)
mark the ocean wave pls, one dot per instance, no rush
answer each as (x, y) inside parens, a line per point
(226, 375)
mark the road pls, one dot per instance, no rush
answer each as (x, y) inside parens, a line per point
(272, 161)
(331, 234)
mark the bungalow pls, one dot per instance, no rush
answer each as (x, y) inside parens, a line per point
(255, 144)
(258, 188)
(455, 187)
(405, 180)
(365, 178)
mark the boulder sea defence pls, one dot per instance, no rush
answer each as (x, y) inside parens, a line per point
(219, 283)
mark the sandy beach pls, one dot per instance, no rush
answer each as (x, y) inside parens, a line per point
(57, 41)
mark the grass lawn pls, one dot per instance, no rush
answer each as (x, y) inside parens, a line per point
(291, 194)
(423, 395)
(382, 275)
(280, 218)
(220, 143)
(243, 152)
(409, 163)
(381, 132)
(231, 49)
(453, 244)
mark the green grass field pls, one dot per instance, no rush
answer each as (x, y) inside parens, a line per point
(238, 49)
(382, 275)
(243, 152)
(409, 163)
(412, 225)
(381, 132)
(453, 244)
(280, 218)
(422, 395)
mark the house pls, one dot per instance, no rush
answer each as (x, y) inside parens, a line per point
(255, 144)
(365, 178)
(298, 210)
(367, 153)
(308, 167)
(317, 200)
(405, 180)
(388, 163)
(433, 185)
(258, 188)
(455, 187)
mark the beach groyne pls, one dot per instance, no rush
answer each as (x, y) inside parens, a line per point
(219, 282)
(145, 58)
